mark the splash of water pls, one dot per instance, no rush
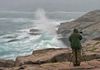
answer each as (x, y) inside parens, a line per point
(45, 24)
(40, 14)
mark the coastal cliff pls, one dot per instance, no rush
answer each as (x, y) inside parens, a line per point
(61, 58)
(89, 24)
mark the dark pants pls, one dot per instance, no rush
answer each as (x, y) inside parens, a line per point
(76, 57)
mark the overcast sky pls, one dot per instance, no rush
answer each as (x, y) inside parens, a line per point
(50, 5)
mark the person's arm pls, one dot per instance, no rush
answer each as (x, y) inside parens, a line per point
(70, 38)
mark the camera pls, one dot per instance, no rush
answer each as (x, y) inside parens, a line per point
(81, 32)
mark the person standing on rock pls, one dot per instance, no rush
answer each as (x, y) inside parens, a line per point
(75, 39)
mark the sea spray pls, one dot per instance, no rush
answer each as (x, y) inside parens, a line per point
(48, 27)
(43, 23)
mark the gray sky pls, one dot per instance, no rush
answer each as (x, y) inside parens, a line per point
(50, 5)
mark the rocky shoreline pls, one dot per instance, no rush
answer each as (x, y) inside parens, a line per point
(88, 24)
(61, 58)
(56, 59)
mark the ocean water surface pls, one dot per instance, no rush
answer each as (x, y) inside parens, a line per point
(23, 32)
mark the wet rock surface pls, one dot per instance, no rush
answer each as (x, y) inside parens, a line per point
(34, 32)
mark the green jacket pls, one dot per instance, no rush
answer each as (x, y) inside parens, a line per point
(75, 41)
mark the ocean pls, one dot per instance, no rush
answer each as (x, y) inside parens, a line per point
(22, 32)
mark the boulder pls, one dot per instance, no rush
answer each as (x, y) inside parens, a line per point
(34, 30)
(6, 63)
(44, 56)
